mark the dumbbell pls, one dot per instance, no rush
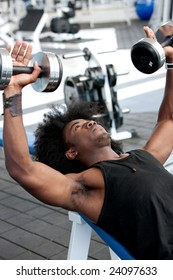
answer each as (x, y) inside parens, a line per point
(50, 76)
(148, 54)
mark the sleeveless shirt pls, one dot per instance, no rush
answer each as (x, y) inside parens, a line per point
(138, 205)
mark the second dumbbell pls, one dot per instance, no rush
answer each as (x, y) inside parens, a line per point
(148, 54)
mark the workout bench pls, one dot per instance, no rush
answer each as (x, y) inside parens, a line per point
(82, 229)
(81, 235)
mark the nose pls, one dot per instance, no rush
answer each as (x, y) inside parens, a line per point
(91, 123)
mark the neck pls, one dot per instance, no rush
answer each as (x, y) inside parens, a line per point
(104, 153)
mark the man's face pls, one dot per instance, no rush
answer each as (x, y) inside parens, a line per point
(85, 134)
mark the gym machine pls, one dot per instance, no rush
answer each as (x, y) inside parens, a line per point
(97, 84)
(147, 54)
(61, 23)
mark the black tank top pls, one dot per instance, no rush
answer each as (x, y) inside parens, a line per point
(138, 205)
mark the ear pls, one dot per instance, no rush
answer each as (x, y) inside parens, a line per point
(71, 154)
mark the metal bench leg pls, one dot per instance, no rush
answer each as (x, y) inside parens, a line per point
(113, 255)
(80, 238)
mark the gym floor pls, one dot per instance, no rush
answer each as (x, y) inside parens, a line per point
(30, 230)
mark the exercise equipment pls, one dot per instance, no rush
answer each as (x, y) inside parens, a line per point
(144, 8)
(97, 84)
(49, 78)
(61, 23)
(80, 237)
(148, 54)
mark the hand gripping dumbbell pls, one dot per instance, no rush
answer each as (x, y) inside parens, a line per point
(50, 76)
(148, 54)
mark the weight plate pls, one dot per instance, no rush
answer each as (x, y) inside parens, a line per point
(112, 75)
(73, 89)
(97, 78)
(5, 68)
(52, 72)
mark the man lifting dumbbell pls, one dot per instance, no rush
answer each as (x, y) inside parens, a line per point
(130, 195)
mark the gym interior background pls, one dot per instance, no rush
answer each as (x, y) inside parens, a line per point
(107, 29)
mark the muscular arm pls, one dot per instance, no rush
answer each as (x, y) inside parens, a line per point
(160, 144)
(41, 181)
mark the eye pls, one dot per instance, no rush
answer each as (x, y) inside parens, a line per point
(77, 126)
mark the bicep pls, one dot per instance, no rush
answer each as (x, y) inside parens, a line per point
(160, 144)
(48, 185)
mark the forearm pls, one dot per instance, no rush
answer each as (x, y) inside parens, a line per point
(160, 144)
(17, 155)
(16, 150)
(166, 108)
